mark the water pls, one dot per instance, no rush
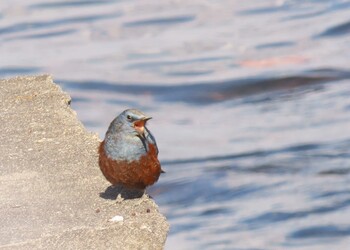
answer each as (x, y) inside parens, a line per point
(250, 101)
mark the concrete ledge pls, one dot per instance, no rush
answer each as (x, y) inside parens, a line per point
(51, 183)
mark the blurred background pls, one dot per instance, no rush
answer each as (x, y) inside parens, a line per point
(250, 103)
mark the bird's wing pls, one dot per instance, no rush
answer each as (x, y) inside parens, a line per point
(150, 138)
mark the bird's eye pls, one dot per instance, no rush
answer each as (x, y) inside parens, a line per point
(128, 117)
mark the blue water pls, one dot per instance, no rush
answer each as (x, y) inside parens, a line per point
(250, 103)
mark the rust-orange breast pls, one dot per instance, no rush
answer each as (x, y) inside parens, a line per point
(136, 174)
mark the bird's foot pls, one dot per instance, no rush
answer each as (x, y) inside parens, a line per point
(119, 199)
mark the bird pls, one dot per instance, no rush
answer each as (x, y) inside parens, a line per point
(128, 155)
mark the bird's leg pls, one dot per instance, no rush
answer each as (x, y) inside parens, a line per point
(143, 198)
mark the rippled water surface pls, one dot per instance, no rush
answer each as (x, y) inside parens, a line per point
(250, 99)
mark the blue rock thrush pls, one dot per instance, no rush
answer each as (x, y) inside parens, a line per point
(129, 154)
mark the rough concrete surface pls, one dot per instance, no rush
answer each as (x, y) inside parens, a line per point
(50, 182)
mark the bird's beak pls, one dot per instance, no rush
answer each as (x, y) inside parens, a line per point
(139, 125)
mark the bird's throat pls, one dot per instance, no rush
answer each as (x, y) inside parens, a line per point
(140, 127)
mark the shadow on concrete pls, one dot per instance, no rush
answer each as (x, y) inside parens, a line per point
(112, 192)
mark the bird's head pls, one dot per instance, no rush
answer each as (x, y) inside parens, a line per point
(133, 121)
